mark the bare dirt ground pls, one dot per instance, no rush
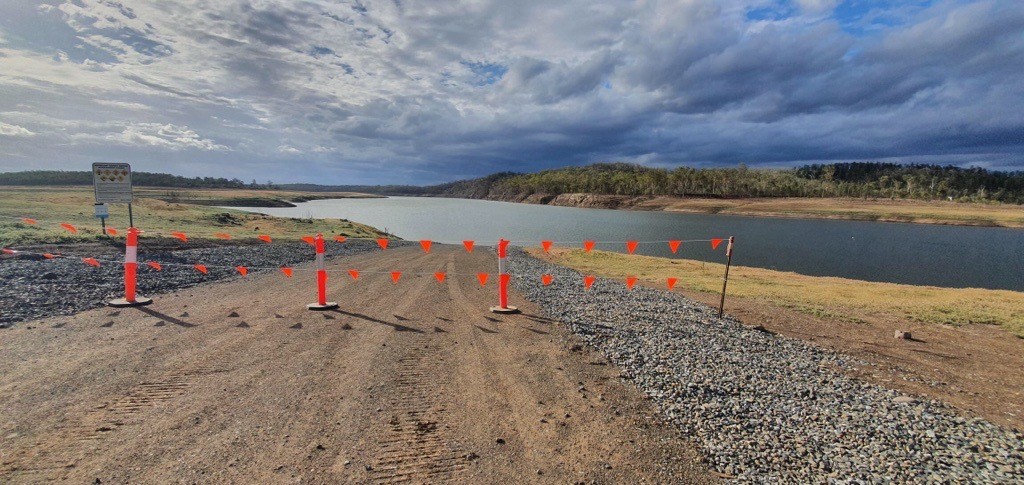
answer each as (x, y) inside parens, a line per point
(976, 368)
(413, 381)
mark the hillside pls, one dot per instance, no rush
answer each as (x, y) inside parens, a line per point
(859, 180)
(863, 180)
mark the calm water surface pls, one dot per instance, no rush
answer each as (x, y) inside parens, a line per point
(917, 254)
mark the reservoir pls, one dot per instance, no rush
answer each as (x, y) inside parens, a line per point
(918, 254)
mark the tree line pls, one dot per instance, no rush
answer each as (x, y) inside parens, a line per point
(857, 179)
(145, 179)
(865, 180)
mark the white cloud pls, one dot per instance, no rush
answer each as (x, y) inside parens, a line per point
(14, 130)
(444, 88)
(818, 6)
(153, 135)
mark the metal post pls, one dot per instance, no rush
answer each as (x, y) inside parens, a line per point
(131, 221)
(725, 280)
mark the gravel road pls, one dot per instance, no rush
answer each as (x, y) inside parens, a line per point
(34, 287)
(766, 408)
(407, 382)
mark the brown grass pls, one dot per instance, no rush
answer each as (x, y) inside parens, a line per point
(55, 205)
(822, 297)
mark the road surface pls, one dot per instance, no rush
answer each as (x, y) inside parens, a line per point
(408, 382)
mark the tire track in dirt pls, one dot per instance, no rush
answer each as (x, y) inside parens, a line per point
(414, 445)
(64, 447)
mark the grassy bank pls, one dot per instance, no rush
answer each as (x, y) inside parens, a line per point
(74, 205)
(820, 297)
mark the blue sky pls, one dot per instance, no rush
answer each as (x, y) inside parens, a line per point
(424, 92)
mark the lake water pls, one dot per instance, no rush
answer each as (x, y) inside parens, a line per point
(919, 254)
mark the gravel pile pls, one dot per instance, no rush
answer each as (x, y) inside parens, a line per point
(765, 408)
(35, 288)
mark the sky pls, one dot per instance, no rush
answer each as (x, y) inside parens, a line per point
(423, 92)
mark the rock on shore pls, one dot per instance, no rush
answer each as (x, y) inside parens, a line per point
(765, 408)
(34, 288)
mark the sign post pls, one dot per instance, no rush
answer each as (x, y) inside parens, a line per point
(112, 184)
(102, 213)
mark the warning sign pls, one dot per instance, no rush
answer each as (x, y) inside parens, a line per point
(112, 182)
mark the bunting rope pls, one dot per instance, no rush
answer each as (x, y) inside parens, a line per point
(383, 242)
(131, 261)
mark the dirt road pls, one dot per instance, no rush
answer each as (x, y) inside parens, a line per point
(413, 381)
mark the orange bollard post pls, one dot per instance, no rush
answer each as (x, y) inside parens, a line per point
(503, 279)
(321, 279)
(131, 266)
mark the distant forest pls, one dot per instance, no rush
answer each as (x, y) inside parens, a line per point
(144, 179)
(874, 180)
(861, 179)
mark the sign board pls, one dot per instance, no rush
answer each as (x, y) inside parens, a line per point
(101, 211)
(112, 183)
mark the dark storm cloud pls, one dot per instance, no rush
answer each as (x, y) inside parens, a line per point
(391, 92)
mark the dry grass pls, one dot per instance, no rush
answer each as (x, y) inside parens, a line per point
(52, 206)
(823, 297)
(953, 213)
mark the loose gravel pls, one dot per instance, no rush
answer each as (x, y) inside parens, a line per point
(33, 287)
(765, 408)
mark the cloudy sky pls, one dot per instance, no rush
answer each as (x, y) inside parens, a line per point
(404, 91)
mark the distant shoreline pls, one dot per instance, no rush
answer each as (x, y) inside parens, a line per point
(875, 210)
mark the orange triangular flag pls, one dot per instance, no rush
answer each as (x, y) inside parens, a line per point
(354, 274)
(631, 246)
(383, 243)
(221, 235)
(111, 231)
(200, 268)
(483, 277)
(588, 246)
(546, 245)
(48, 256)
(440, 277)
(70, 228)
(395, 275)
(674, 246)
(309, 240)
(155, 265)
(469, 246)
(425, 244)
(265, 238)
(588, 281)
(715, 243)
(26, 220)
(91, 262)
(340, 239)
(546, 279)
(630, 282)
(671, 282)
(242, 270)
(287, 271)
(180, 235)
